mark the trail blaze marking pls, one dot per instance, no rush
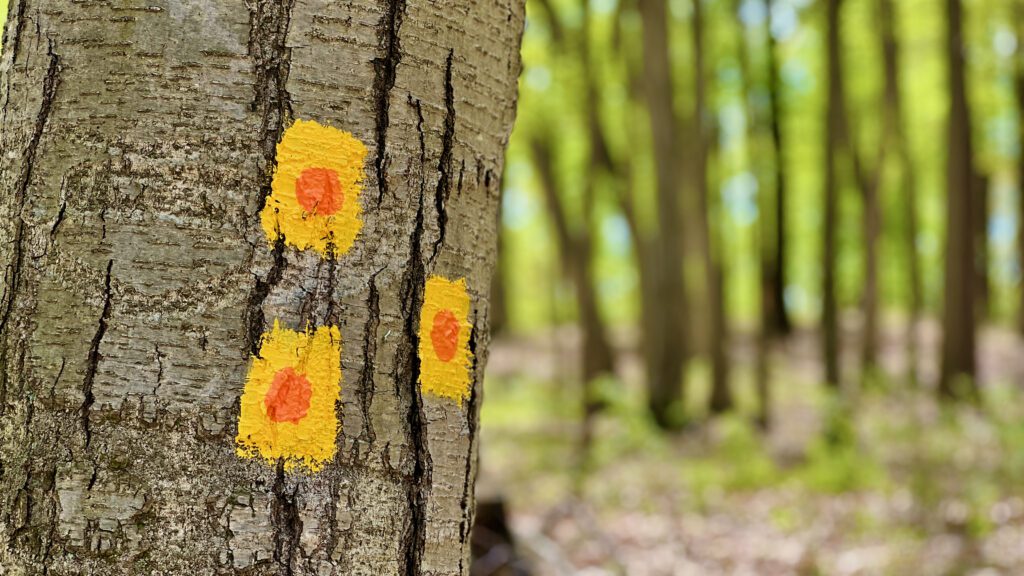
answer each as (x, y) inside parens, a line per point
(319, 191)
(314, 198)
(288, 403)
(445, 335)
(288, 397)
(445, 359)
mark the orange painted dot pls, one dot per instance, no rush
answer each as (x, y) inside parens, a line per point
(445, 334)
(319, 191)
(288, 397)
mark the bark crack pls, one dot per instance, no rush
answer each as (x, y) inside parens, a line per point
(159, 370)
(286, 521)
(269, 21)
(255, 319)
(385, 67)
(472, 420)
(444, 167)
(93, 362)
(61, 210)
(414, 539)
(331, 314)
(366, 382)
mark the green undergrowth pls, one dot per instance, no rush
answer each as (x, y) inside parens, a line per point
(896, 444)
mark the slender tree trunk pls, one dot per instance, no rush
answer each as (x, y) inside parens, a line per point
(575, 242)
(980, 191)
(665, 339)
(139, 147)
(872, 236)
(958, 320)
(870, 181)
(898, 122)
(833, 138)
(1018, 16)
(773, 264)
(756, 128)
(720, 399)
(576, 248)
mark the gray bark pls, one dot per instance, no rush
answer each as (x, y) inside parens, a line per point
(136, 151)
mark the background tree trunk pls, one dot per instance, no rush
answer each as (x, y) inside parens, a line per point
(833, 139)
(664, 325)
(888, 18)
(773, 267)
(720, 400)
(138, 146)
(958, 319)
(1018, 81)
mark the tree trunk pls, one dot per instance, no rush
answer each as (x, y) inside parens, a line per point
(958, 321)
(576, 247)
(1018, 16)
(773, 264)
(755, 138)
(576, 250)
(665, 332)
(1018, 11)
(833, 138)
(980, 191)
(721, 399)
(897, 123)
(141, 296)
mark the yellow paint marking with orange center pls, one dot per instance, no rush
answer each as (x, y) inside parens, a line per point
(288, 403)
(445, 359)
(314, 198)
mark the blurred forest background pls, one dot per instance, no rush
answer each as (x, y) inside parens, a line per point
(759, 307)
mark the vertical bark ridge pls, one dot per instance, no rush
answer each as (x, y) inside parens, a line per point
(17, 17)
(50, 84)
(25, 489)
(268, 34)
(407, 376)
(385, 67)
(444, 166)
(94, 357)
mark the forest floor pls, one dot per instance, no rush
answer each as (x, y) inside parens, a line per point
(887, 481)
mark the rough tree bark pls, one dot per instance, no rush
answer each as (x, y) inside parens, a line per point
(138, 145)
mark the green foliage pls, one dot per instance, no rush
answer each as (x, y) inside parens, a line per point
(551, 97)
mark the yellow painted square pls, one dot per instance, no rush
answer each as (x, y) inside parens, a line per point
(313, 356)
(308, 145)
(445, 359)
